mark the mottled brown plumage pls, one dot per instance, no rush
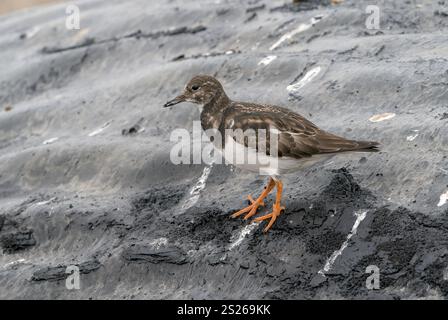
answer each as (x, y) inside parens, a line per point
(299, 141)
(297, 138)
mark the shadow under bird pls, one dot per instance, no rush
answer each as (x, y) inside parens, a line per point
(299, 143)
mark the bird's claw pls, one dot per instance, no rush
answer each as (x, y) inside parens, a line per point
(251, 209)
(276, 210)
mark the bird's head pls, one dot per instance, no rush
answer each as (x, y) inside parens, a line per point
(201, 89)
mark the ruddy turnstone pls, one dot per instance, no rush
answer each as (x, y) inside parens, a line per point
(299, 142)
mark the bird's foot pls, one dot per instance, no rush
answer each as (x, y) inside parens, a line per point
(252, 208)
(252, 201)
(276, 210)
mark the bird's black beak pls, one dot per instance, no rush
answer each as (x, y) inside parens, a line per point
(178, 99)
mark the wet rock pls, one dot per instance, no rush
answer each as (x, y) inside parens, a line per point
(256, 8)
(50, 274)
(222, 11)
(143, 254)
(17, 241)
(207, 224)
(326, 242)
(136, 128)
(441, 13)
(89, 266)
(2, 222)
(405, 244)
(60, 272)
(391, 223)
(297, 6)
(343, 187)
(217, 258)
(251, 17)
(159, 198)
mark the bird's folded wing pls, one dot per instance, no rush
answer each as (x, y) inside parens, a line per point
(296, 136)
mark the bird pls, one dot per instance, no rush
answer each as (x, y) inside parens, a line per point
(299, 142)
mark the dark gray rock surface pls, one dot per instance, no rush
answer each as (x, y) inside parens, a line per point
(85, 181)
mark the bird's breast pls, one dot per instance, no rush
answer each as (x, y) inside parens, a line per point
(210, 121)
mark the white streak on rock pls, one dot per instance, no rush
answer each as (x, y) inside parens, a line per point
(13, 263)
(266, 60)
(330, 261)
(50, 141)
(382, 117)
(310, 75)
(99, 130)
(42, 203)
(157, 243)
(237, 239)
(443, 199)
(412, 136)
(32, 32)
(197, 188)
(301, 28)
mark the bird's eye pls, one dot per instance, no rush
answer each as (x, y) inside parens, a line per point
(195, 87)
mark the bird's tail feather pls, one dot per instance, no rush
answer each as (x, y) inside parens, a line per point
(367, 146)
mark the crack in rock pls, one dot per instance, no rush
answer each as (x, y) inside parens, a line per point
(142, 254)
(136, 35)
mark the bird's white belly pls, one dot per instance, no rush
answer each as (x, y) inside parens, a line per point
(249, 159)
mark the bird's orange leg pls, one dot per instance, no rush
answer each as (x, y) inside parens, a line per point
(276, 209)
(252, 208)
